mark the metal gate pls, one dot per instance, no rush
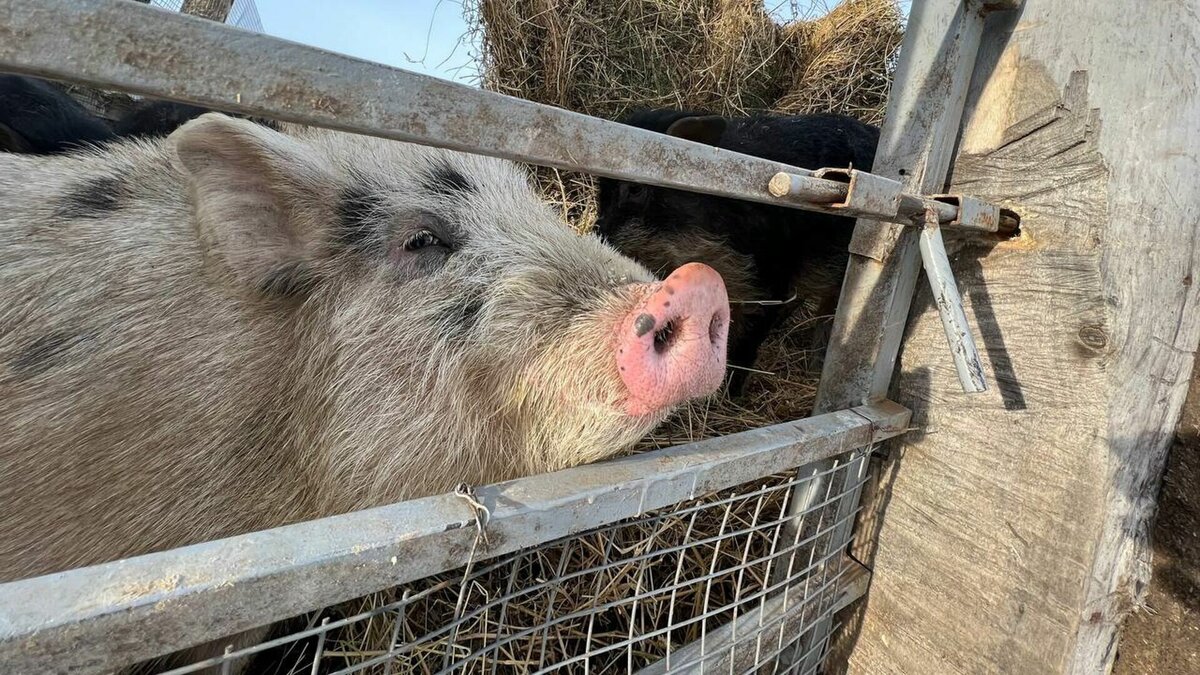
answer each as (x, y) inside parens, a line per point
(447, 583)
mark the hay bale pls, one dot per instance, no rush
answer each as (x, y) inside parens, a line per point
(849, 57)
(730, 56)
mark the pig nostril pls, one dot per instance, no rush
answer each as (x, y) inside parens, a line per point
(714, 328)
(665, 337)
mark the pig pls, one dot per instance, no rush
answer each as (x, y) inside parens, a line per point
(36, 117)
(152, 118)
(763, 252)
(235, 327)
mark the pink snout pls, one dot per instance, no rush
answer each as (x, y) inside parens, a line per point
(671, 347)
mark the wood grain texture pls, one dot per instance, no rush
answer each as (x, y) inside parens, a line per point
(1013, 529)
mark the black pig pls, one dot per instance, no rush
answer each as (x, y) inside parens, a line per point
(152, 118)
(37, 118)
(764, 253)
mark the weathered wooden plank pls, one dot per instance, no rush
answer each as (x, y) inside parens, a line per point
(1013, 532)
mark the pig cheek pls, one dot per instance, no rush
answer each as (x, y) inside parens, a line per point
(566, 383)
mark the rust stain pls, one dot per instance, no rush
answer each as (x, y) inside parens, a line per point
(298, 96)
(163, 585)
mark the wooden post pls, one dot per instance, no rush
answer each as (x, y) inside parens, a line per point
(1012, 530)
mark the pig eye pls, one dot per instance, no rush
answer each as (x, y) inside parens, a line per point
(423, 239)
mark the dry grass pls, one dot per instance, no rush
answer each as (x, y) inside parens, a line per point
(578, 596)
(604, 57)
(607, 57)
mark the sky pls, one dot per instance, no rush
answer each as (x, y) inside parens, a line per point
(427, 36)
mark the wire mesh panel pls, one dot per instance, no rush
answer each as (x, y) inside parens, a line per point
(243, 13)
(670, 590)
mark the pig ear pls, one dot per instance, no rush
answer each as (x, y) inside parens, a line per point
(699, 128)
(254, 190)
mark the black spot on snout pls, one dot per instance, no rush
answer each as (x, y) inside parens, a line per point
(447, 181)
(94, 198)
(288, 282)
(643, 324)
(359, 212)
(44, 353)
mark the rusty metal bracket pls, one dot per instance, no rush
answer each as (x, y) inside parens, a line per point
(850, 192)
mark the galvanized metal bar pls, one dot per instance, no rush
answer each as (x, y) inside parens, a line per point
(127, 46)
(867, 195)
(144, 50)
(130, 610)
(976, 214)
(852, 580)
(917, 141)
(950, 308)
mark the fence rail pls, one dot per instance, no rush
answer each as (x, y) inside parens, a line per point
(142, 50)
(85, 620)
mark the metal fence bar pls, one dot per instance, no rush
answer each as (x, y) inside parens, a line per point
(479, 612)
(950, 308)
(144, 50)
(872, 196)
(853, 580)
(916, 147)
(133, 609)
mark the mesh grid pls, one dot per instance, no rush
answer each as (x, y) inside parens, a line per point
(243, 14)
(653, 591)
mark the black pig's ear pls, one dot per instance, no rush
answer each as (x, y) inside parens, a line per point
(699, 128)
(256, 194)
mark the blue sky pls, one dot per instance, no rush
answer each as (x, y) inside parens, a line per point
(427, 36)
(419, 35)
